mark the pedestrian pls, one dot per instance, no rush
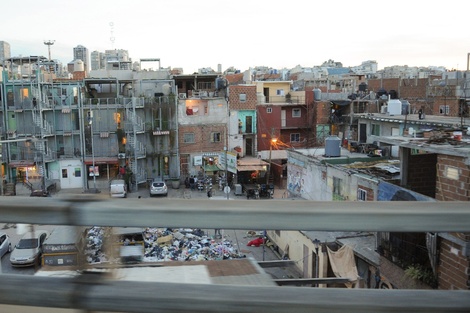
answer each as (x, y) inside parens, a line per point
(421, 114)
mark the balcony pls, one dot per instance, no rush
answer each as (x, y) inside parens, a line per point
(288, 100)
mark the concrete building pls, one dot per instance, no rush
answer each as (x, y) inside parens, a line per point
(81, 53)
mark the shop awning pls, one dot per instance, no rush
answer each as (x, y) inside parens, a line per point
(250, 168)
(211, 168)
(101, 160)
(23, 163)
(249, 164)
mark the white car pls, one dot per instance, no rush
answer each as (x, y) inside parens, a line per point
(5, 244)
(118, 188)
(158, 188)
(29, 249)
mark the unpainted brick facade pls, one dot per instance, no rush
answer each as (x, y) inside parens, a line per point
(453, 184)
(251, 99)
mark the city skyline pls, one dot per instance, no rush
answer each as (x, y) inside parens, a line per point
(242, 34)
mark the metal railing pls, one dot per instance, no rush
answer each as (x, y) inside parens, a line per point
(95, 293)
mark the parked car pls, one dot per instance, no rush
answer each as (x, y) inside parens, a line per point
(29, 249)
(118, 188)
(158, 188)
(5, 244)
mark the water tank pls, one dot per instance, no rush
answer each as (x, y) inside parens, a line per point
(317, 94)
(393, 94)
(381, 92)
(78, 66)
(166, 89)
(363, 87)
(332, 146)
(220, 83)
(394, 107)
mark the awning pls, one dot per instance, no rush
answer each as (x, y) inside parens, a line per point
(101, 160)
(23, 163)
(250, 168)
(211, 168)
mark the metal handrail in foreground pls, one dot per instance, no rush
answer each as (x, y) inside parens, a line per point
(95, 292)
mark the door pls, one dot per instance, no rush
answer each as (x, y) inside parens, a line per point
(283, 118)
(249, 146)
(71, 177)
(249, 124)
(362, 133)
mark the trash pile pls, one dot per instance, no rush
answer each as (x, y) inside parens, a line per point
(165, 244)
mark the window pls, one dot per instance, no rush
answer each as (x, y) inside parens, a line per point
(269, 110)
(296, 113)
(242, 97)
(215, 137)
(280, 92)
(188, 137)
(444, 109)
(295, 137)
(375, 130)
(361, 195)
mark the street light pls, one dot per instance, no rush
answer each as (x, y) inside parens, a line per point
(271, 142)
(316, 244)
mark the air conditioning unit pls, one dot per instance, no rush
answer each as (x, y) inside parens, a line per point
(182, 95)
(121, 155)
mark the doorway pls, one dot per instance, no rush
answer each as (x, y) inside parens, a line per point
(249, 146)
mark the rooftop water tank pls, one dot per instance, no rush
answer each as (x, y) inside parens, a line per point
(78, 66)
(317, 94)
(332, 146)
(394, 107)
(363, 87)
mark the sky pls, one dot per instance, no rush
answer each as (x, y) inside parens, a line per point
(192, 34)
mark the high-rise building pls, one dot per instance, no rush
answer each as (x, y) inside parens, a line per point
(97, 60)
(5, 51)
(81, 53)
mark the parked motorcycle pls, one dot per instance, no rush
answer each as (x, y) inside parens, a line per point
(266, 191)
(253, 193)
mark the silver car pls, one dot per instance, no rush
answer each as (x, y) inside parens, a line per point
(5, 244)
(29, 249)
(158, 188)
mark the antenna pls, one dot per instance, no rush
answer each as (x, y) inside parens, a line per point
(49, 43)
(112, 38)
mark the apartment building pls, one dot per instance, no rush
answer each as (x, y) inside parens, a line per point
(77, 134)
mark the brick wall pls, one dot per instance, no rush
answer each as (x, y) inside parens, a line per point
(454, 268)
(202, 138)
(370, 192)
(422, 174)
(234, 97)
(453, 183)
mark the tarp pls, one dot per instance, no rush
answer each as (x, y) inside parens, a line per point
(343, 264)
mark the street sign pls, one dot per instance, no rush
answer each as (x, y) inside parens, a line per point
(227, 189)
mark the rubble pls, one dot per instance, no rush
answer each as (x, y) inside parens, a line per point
(164, 244)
